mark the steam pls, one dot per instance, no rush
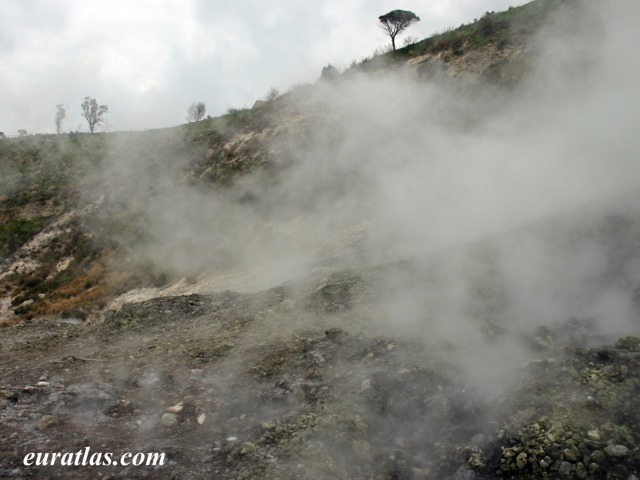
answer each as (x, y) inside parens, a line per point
(500, 200)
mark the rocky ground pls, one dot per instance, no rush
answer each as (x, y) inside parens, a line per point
(137, 321)
(288, 383)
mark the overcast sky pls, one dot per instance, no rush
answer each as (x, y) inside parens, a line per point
(149, 60)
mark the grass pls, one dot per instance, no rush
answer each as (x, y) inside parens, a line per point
(15, 233)
(498, 28)
(42, 176)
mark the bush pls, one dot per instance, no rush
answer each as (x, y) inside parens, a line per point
(486, 25)
(329, 73)
(272, 95)
(449, 41)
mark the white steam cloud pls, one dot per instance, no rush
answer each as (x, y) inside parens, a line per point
(512, 191)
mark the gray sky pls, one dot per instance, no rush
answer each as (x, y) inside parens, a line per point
(149, 60)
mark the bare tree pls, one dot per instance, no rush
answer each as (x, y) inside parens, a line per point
(410, 40)
(396, 22)
(93, 112)
(196, 112)
(60, 114)
(272, 95)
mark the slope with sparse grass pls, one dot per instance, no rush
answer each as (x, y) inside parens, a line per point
(157, 296)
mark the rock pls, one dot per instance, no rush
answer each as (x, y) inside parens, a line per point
(247, 448)
(597, 456)
(201, 418)
(629, 343)
(546, 462)
(46, 421)
(120, 409)
(569, 455)
(476, 461)
(593, 435)
(6, 393)
(616, 450)
(521, 460)
(581, 472)
(169, 419)
(177, 408)
(564, 470)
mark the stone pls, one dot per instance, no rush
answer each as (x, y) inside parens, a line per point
(629, 343)
(169, 419)
(581, 472)
(521, 460)
(476, 461)
(593, 435)
(569, 455)
(247, 448)
(616, 450)
(564, 470)
(177, 408)
(120, 408)
(46, 421)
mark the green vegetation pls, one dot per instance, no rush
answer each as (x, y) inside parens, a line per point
(395, 22)
(44, 176)
(501, 29)
(96, 255)
(14, 233)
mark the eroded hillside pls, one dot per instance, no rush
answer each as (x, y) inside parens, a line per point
(424, 267)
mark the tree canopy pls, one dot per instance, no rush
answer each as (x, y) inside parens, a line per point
(93, 112)
(395, 22)
(61, 113)
(196, 111)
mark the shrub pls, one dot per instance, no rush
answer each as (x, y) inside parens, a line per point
(449, 41)
(486, 25)
(272, 95)
(329, 73)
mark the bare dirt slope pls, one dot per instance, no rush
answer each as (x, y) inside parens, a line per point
(426, 267)
(293, 383)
